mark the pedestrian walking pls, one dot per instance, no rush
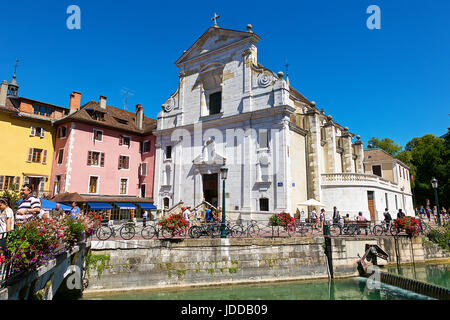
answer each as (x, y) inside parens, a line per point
(336, 216)
(422, 212)
(30, 206)
(322, 218)
(429, 214)
(75, 211)
(387, 218)
(6, 216)
(435, 214)
(314, 217)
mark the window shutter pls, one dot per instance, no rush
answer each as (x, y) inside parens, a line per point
(102, 159)
(30, 154)
(127, 162)
(89, 159)
(44, 157)
(17, 184)
(42, 132)
(41, 186)
(144, 169)
(32, 131)
(120, 162)
(2, 181)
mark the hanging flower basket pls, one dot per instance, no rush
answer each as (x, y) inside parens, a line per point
(409, 224)
(174, 222)
(281, 219)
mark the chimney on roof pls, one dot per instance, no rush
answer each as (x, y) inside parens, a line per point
(139, 116)
(75, 101)
(3, 92)
(103, 102)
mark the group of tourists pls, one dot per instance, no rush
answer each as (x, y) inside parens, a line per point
(210, 215)
(428, 213)
(29, 207)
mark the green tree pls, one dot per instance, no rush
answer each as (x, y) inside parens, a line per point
(430, 158)
(386, 144)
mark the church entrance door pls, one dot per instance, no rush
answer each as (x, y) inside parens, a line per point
(210, 188)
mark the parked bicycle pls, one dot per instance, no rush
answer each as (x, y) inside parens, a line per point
(385, 228)
(251, 229)
(126, 231)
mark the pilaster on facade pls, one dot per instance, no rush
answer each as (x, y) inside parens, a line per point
(314, 157)
(359, 151)
(349, 164)
(330, 146)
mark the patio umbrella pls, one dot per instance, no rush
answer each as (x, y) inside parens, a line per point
(311, 203)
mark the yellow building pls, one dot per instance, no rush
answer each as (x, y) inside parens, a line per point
(28, 140)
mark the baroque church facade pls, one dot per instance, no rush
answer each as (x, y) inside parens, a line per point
(279, 148)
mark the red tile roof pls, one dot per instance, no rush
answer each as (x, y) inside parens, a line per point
(110, 116)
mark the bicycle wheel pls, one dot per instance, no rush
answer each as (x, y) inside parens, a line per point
(166, 234)
(148, 232)
(196, 232)
(393, 230)
(335, 230)
(127, 232)
(237, 231)
(253, 231)
(191, 231)
(378, 230)
(104, 233)
(214, 230)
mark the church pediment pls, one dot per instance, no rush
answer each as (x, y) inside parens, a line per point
(214, 39)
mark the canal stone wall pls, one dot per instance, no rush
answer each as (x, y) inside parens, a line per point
(146, 264)
(402, 250)
(49, 280)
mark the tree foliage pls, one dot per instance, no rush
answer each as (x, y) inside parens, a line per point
(387, 145)
(427, 157)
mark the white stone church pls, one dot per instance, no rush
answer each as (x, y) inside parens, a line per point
(279, 148)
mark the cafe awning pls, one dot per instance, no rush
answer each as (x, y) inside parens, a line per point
(148, 205)
(125, 205)
(99, 205)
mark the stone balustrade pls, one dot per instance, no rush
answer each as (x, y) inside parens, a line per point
(355, 178)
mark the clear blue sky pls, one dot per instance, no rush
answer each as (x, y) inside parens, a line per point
(393, 82)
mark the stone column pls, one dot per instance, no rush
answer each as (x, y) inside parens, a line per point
(314, 158)
(247, 57)
(330, 146)
(359, 151)
(348, 151)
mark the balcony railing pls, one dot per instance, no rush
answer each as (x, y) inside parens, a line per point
(355, 178)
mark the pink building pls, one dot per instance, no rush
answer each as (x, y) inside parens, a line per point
(105, 154)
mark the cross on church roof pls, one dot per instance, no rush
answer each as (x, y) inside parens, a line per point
(215, 19)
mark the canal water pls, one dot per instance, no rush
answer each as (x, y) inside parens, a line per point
(356, 288)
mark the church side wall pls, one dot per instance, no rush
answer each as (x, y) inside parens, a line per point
(298, 179)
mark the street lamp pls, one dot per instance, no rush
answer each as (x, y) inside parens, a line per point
(434, 184)
(224, 174)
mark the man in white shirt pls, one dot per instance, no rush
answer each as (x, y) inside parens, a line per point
(187, 214)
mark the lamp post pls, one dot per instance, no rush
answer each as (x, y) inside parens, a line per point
(434, 184)
(224, 173)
